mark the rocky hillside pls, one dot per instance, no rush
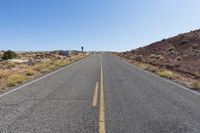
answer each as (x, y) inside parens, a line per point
(180, 53)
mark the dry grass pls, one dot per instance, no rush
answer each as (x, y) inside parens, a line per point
(157, 57)
(196, 85)
(11, 65)
(161, 72)
(147, 67)
(3, 74)
(151, 68)
(61, 63)
(44, 66)
(47, 66)
(3, 77)
(39, 67)
(2, 84)
(30, 72)
(21, 72)
(14, 79)
(167, 74)
(187, 81)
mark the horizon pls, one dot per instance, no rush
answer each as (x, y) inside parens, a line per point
(94, 50)
(46, 25)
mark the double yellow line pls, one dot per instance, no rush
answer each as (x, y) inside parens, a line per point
(102, 128)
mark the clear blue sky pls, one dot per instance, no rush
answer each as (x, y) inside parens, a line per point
(116, 25)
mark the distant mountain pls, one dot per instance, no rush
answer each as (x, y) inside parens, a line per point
(180, 53)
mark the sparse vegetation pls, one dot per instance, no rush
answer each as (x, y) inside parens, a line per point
(163, 40)
(50, 65)
(42, 67)
(196, 85)
(30, 72)
(3, 74)
(179, 57)
(183, 42)
(197, 75)
(157, 57)
(14, 79)
(147, 67)
(167, 74)
(11, 65)
(14, 73)
(152, 69)
(139, 58)
(161, 72)
(172, 49)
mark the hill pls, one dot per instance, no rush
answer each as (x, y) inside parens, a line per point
(180, 53)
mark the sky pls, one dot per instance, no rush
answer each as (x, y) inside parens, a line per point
(98, 25)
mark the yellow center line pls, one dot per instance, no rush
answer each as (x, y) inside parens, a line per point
(102, 128)
(94, 104)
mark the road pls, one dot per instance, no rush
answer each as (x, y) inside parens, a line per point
(100, 94)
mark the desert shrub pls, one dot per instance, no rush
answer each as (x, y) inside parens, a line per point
(139, 58)
(195, 46)
(167, 74)
(47, 66)
(2, 66)
(14, 79)
(196, 85)
(197, 75)
(9, 55)
(163, 40)
(196, 51)
(10, 65)
(22, 65)
(172, 49)
(42, 68)
(39, 67)
(75, 57)
(157, 57)
(142, 65)
(52, 67)
(160, 57)
(183, 42)
(3, 74)
(61, 63)
(2, 88)
(66, 61)
(152, 56)
(30, 72)
(58, 63)
(178, 58)
(152, 69)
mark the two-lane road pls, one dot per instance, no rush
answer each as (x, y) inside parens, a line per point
(100, 94)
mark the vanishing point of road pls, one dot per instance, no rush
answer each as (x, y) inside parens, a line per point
(99, 94)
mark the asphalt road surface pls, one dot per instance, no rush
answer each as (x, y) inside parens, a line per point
(100, 94)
